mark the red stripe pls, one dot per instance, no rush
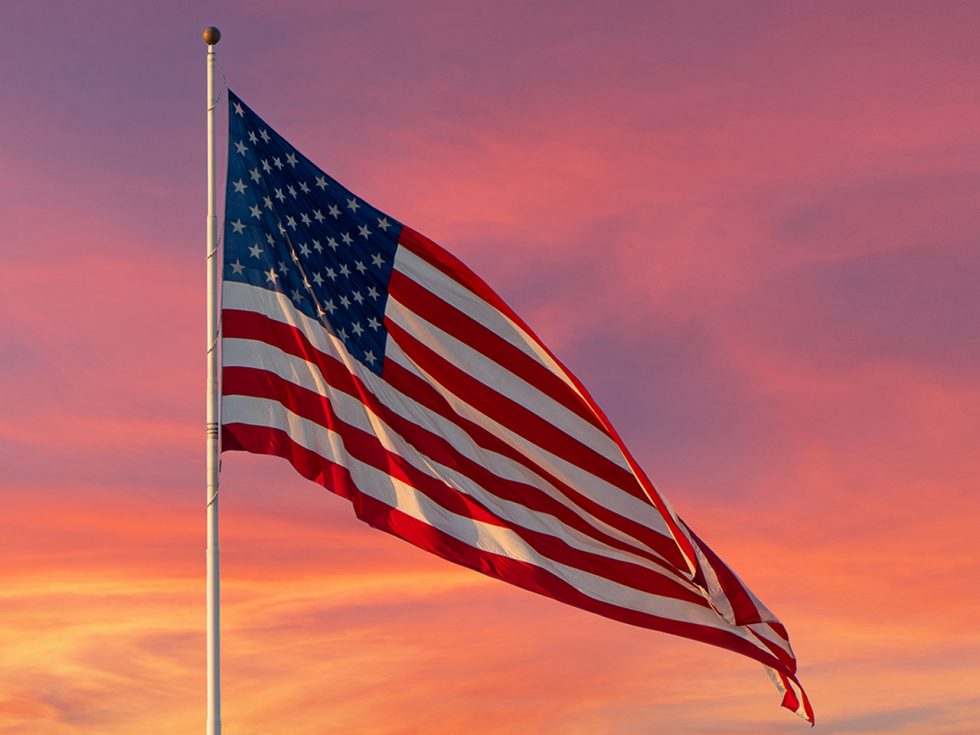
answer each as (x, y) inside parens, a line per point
(807, 709)
(779, 629)
(449, 264)
(509, 413)
(790, 700)
(744, 609)
(789, 696)
(337, 479)
(448, 318)
(444, 261)
(367, 448)
(742, 604)
(780, 652)
(250, 325)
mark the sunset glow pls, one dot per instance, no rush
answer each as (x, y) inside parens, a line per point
(749, 228)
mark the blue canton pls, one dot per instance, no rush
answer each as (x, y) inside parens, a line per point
(291, 228)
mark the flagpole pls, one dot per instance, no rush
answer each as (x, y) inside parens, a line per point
(211, 37)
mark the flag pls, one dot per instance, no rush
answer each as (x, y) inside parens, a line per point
(382, 368)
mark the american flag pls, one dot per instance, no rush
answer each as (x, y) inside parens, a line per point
(382, 368)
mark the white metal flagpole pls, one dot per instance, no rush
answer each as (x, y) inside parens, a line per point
(211, 37)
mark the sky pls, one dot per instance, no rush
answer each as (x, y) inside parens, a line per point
(749, 228)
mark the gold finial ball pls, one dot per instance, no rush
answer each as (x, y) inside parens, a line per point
(211, 35)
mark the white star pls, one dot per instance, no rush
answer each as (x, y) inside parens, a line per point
(333, 211)
(271, 276)
(374, 323)
(292, 191)
(365, 232)
(282, 230)
(237, 267)
(239, 186)
(318, 215)
(238, 110)
(318, 279)
(291, 159)
(280, 196)
(347, 238)
(358, 298)
(256, 212)
(306, 219)
(352, 204)
(270, 239)
(331, 274)
(296, 295)
(369, 357)
(256, 176)
(321, 182)
(241, 147)
(252, 138)
(294, 256)
(304, 249)
(345, 302)
(330, 306)
(283, 268)
(238, 226)
(332, 243)
(378, 260)
(319, 310)
(291, 222)
(303, 187)
(358, 329)
(265, 166)
(361, 268)
(306, 283)
(317, 246)
(342, 333)
(277, 163)
(255, 251)
(372, 292)
(264, 134)
(384, 224)
(268, 202)
(344, 270)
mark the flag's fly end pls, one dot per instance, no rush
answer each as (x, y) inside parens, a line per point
(794, 698)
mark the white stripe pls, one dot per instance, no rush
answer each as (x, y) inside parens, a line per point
(278, 306)
(455, 293)
(718, 598)
(256, 354)
(482, 536)
(503, 381)
(763, 630)
(800, 711)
